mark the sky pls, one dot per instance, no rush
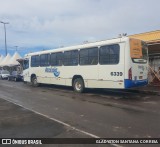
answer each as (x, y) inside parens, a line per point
(44, 24)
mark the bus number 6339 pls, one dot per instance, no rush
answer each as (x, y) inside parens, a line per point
(116, 73)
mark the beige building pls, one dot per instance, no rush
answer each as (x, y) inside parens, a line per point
(153, 40)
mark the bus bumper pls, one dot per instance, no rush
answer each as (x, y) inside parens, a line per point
(129, 83)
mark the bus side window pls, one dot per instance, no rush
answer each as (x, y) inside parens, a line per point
(89, 56)
(60, 62)
(56, 59)
(53, 59)
(45, 60)
(59, 59)
(35, 61)
(93, 56)
(70, 58)
(109, 54)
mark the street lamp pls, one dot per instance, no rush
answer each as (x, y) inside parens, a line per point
(16, 48)
(5, 35)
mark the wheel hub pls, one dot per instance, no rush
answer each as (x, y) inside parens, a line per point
(78, 86)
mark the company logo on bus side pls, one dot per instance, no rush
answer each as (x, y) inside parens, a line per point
(53, 70)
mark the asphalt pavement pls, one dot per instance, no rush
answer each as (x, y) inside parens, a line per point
(57, 111)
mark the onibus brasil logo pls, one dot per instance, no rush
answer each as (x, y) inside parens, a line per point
(53, 70)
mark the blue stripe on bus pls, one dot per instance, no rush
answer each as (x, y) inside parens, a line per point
(130, 83)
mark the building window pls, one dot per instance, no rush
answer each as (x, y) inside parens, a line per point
(89, 56)
(45, 60)
(57, 59)
(109, 54)
(35, 61)
(70, 58)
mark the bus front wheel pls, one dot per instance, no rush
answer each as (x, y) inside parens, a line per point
(34, 82)
(78, 85)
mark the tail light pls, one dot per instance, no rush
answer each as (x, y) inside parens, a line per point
(130, 73)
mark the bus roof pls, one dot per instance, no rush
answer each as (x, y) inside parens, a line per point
(86, 45)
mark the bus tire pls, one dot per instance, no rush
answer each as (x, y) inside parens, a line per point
(78, 85)
(34, 82)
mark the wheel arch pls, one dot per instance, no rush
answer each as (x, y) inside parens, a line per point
(77, 76)
(32, 76)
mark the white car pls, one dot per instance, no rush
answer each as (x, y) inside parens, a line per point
(4, 74)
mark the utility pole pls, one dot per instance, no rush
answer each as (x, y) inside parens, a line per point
(16, 48)
(5, 35)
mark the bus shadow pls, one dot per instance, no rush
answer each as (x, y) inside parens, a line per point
(119, 94)
(115, 94)
(57, 87)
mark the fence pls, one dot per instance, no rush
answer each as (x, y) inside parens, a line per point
(154, 70)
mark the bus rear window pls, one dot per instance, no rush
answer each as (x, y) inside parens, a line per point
(138, 51)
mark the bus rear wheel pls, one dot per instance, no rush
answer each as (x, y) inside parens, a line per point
(34, 82)
(78, 85)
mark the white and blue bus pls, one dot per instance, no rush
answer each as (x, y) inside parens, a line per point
(119, 63)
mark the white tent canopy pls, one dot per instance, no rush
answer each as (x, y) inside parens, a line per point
(1, 58)
(13, 61)
(5, 60)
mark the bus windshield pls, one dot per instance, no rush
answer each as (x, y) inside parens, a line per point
(139, 51)
(25, 64)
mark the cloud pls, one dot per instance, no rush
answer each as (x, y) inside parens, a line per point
(54, 23)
